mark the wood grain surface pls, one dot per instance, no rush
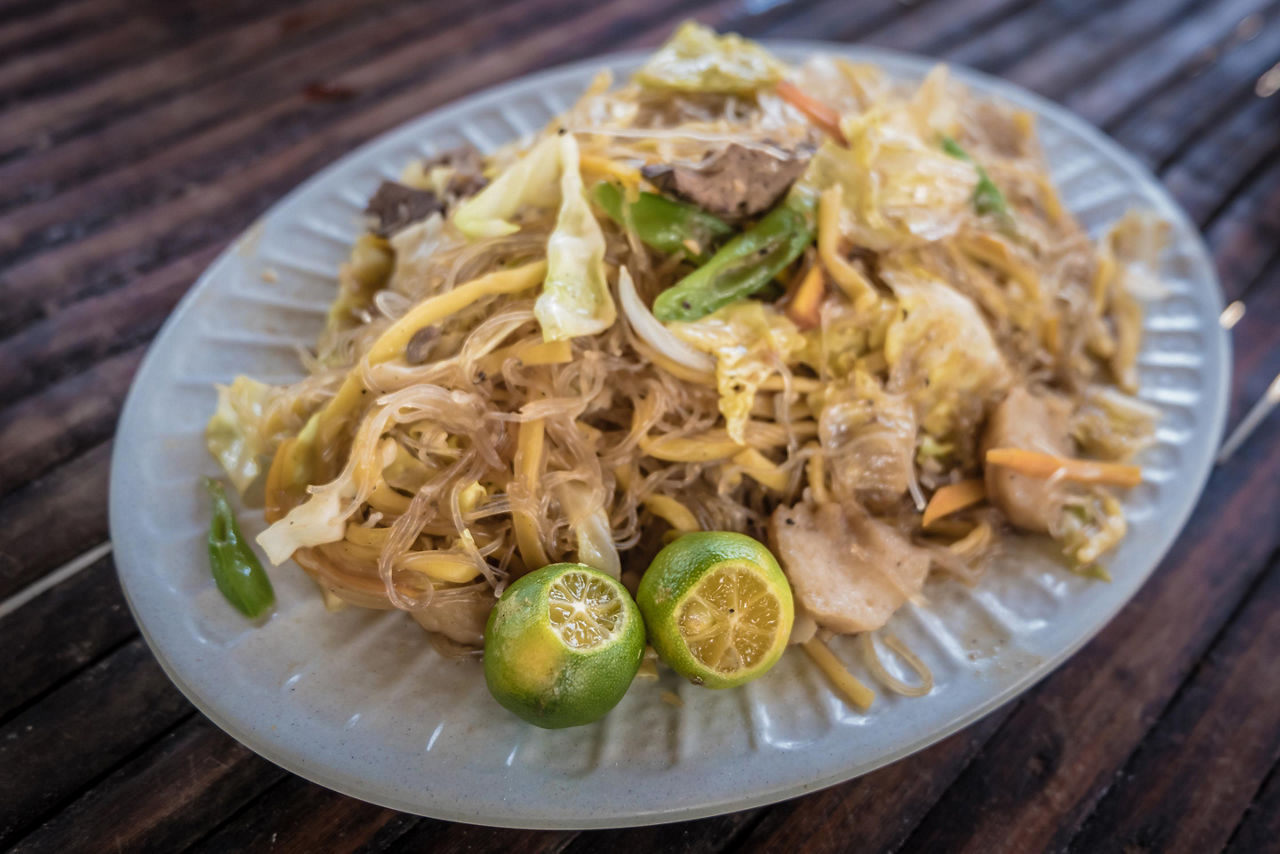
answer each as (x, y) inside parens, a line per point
(138, 137)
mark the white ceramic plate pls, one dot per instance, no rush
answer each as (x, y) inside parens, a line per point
(359, 702)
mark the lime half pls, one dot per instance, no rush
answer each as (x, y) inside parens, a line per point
(718, 608)
(562, 645)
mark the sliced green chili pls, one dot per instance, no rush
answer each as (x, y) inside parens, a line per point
(987, 198)
(236, 570)
(744, 265)
(665, 224)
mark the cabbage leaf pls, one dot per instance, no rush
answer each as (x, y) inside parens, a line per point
(868, 438)
(899, 188)
(695, 59)
(1091, 524)
(941, 352)
(236, 434)
(575, 298)
(529, 182)
(750, 343)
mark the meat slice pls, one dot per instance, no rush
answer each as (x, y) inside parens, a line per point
(467, 164)
(735, 182)
(848, 570)
(395, 206)
(868, 438)
(1032, 423)
(458, 614)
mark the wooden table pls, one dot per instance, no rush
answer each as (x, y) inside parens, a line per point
(137, 138)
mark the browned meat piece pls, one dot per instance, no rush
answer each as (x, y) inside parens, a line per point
(734, 182)
(869, 439)
(848, 570)
(468, 170)
(1032, 423)
(458, 614)
(396, 206)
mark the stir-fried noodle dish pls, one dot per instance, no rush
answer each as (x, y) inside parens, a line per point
(841, 313)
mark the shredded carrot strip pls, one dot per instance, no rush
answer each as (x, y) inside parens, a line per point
(853, 689)
(1034, 464)
(805, 299)
(953, 498)
(814, 110)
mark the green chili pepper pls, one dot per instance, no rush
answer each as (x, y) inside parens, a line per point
(744, 265)
(950, 146)
(987, 198)
(666, 225)
(236, 570)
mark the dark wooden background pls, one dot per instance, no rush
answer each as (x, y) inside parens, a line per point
(137, 138)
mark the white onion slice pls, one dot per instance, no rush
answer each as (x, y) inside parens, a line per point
(651, 330)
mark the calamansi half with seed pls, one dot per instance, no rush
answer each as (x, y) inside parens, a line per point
(562, 645)
(718, 608)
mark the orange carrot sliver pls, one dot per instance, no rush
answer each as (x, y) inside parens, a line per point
(953, 498)
(804, 302)
(1034, 464)
(816, 111)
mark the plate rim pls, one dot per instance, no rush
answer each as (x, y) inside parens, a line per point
(1216, 401)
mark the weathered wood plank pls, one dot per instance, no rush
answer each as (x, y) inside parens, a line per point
(61, 23)
(932, 29)
(64, 629)
(1193, 777)
(799, 18)
(1226, 158)
(251, 86)
(216, 53)
(54, 748)
(165, 231)
(877, 810)
(1244, 238)
(165, 799)
(78, 413)
(441, 837)
(1256, 366)
(1260, 827)
(1088, 50)
(97, 328)
(1214, 87)
(832, 19)
(1035, 781)
(1021, 34)
(260, 113)
(1155, 63)
(298, 816)
(59, 65)
(53, 519)
(703, 836)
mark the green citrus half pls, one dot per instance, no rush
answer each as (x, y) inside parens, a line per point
(717, 607)
(562, 645)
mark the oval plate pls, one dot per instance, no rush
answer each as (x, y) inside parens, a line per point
(359, 702)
